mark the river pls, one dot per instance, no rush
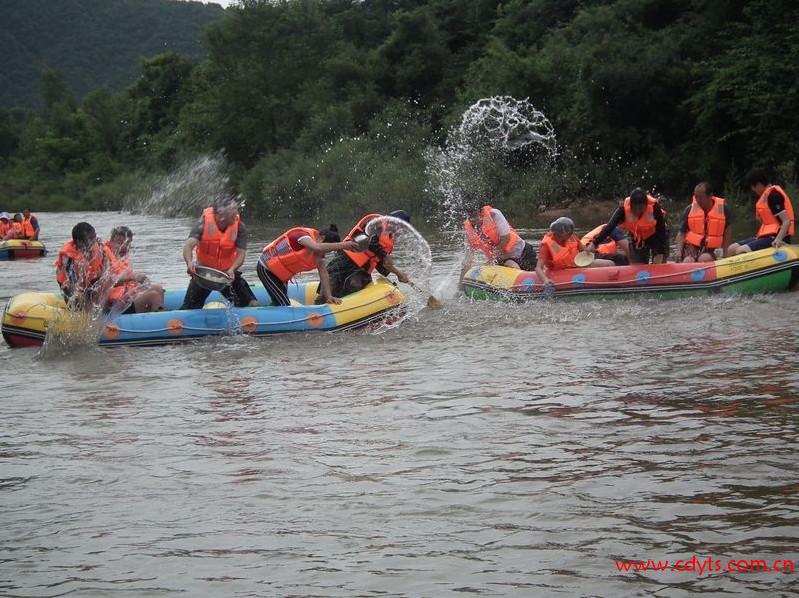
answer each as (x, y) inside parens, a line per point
(477, 449)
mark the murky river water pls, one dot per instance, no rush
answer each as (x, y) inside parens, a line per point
(481, 448)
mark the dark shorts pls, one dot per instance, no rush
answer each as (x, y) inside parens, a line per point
(276, 288)
(758, 243)
(650, 248)
(528, 260)
(239, 293)
(617, 258)
(346, 277)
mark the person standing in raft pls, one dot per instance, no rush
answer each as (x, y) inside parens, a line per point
(30, 225)
(705, 227)
(644, 219)
(131, 292)
(774, 211)
(558, 249)
(488, 232)
(351, 270)
(82, 269)
(220, 239)
(297, 250)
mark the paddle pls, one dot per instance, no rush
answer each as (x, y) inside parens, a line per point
(432, 302)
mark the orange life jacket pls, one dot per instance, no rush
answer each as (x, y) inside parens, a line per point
(119, 266)
(562, 255)
(769, 223)
(706, 229)
(217, 249)
(644, 227)
(608, 247)
(27, 227)
(4, 228)
(486, 239)
(88, 271)
(17, 230)
(283, 261)
(368, 259)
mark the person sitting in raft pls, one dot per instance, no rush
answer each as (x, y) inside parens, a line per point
(351, 270)
(331, 234)
(220, 238)
(30, 225)
(5, 225)
(644, 220)
(82, 269)
(558, 249)
(297, 250)
(17, 230)
(705, 227)
(132, 293)
(488, 232)
(609, 250)
(773, 210)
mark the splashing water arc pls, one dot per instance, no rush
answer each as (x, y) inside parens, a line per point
(490, 130)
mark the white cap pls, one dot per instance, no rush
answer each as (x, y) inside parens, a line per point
(5, 215)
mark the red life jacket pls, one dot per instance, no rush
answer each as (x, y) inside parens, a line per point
(769, 223)
(562, 255)
(609, 247)
(644, 227)
(4, 228)
(217, 249)
(88, 271)
(486, 240)
(706, 229)
(368, 260)
(283, 261)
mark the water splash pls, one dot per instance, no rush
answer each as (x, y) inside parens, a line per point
(185, 190)
(412, 256)
(479, 152)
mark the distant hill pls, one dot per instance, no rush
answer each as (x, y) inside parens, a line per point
(94, 43)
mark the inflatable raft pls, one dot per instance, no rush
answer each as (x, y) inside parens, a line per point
(765, 271)
(17, 249)
(29, 316)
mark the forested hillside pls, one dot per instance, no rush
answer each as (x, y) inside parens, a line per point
(93, 43)
(332, 105)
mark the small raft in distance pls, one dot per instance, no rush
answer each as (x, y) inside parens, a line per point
(18, 249)
(28, 317)
(765, 271)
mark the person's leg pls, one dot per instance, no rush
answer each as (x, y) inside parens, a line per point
(639, 255)
(601, 263)
(706, 257)
(276, 288)
(149, 299)
(195, 296)
(511, 264)
(240, 293)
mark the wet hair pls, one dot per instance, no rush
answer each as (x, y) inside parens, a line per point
(26, 210)
(401, 215)
(333, 227)
(121, 231)
(225, 201)
(755, 176)
(17, 215)
(705, 187)
(638, 197)
(562, 225)
(82, 232)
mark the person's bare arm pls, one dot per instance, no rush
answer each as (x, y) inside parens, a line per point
(388, 264)
(188, 254)
(681, 244)
(323, 248)
(324, 281)
(240, 255)
(725, 245)
(540, 270)
(786, 223)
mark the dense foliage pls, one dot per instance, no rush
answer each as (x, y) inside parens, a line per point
(93, 43)
(327, 106)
